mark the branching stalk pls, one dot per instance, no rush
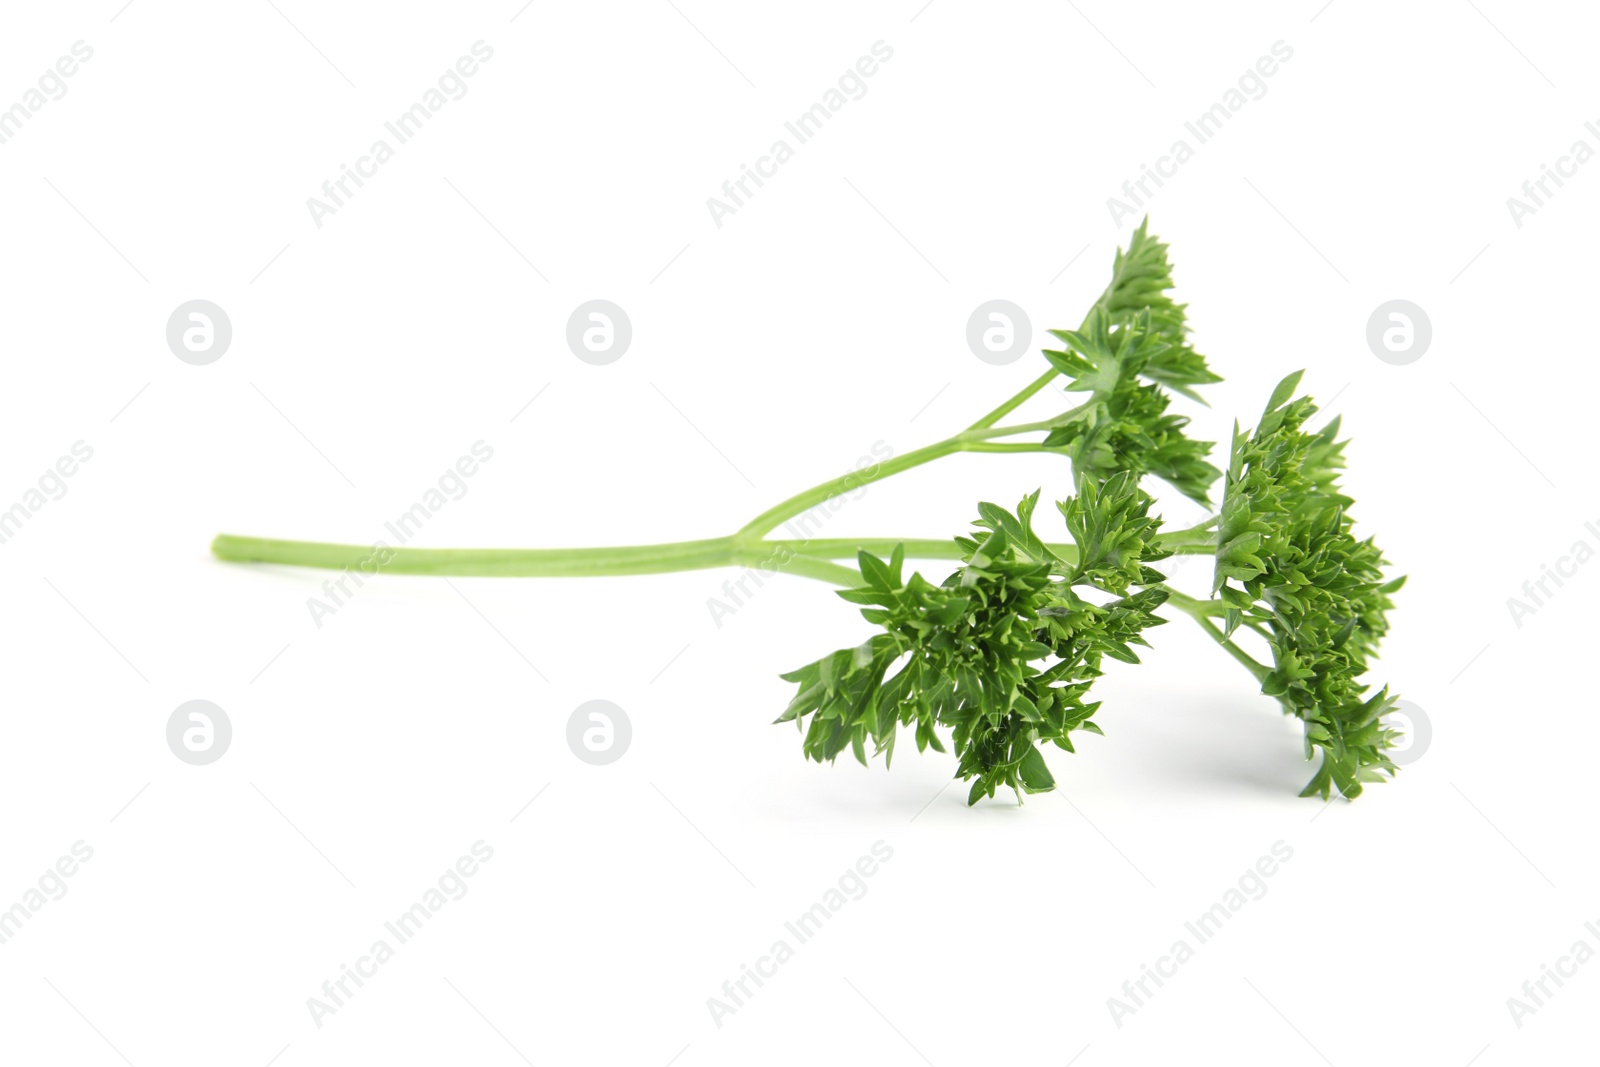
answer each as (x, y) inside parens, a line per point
(1002, 654)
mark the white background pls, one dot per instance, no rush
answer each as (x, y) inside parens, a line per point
(826, 315)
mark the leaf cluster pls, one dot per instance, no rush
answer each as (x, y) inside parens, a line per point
(1002, 653)
(1130, 355)
(1141, 286)
(1290, 567)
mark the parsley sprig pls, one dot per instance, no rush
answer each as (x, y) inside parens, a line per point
(1001, 655)
(1290, 567)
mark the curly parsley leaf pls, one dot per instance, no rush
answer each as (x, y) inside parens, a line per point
(1002, 654)
(1290, 567)
(1130, 355)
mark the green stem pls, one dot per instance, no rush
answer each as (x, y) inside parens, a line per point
(1201, 612)
(845, 483)
(976, 439)
(1190, 606)
(501, 562)
(807, 557)
(1045, 379)
(536, 562)
(1202, 537)
(809, 567)
(1006, 446)
(847, 547)
(1015, 402)
(1194, 541)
